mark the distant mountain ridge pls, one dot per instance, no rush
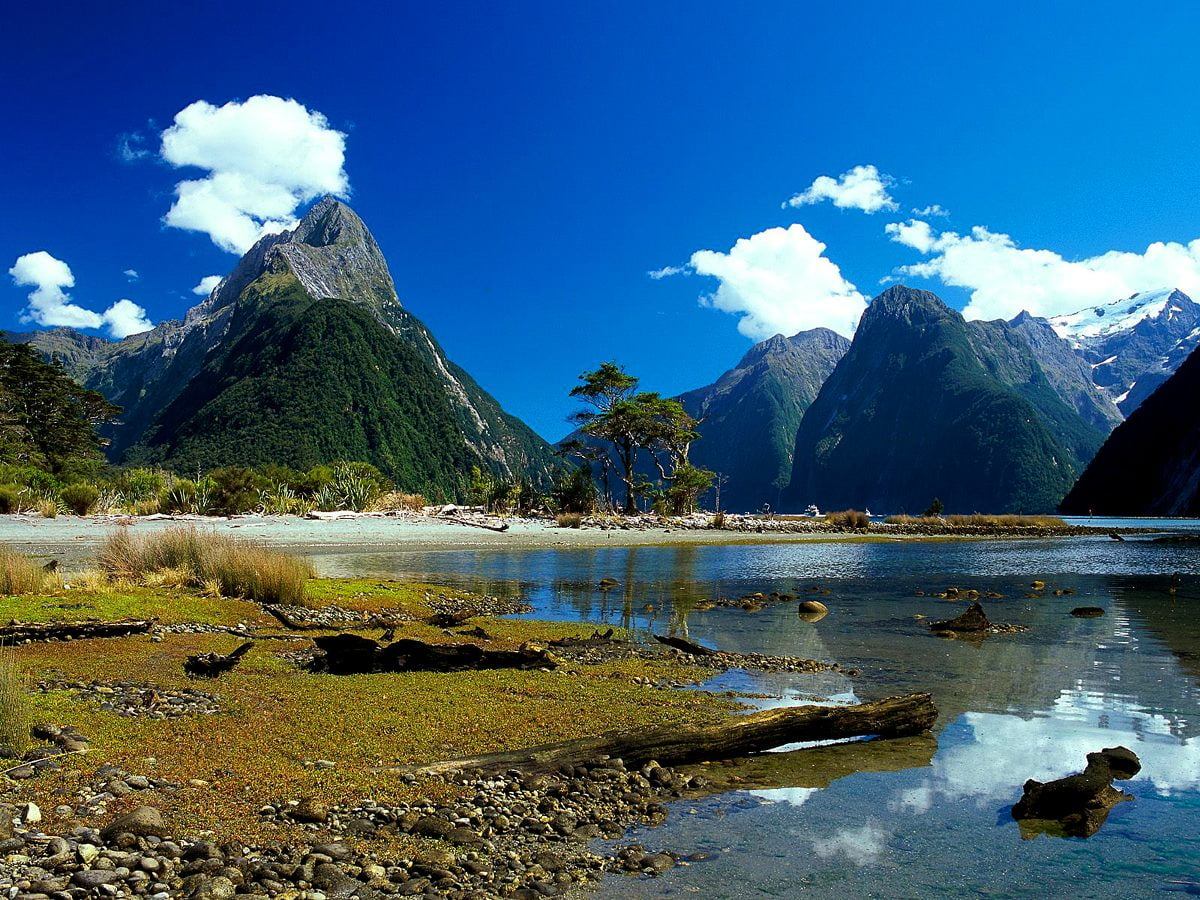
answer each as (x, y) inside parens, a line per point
(751, 413)
(925, 404)
(325, 288)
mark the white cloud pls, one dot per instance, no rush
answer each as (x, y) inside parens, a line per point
(50, 305)
(863, 187)
(934, 209)
(124, 318)
(860, 846)
(1004, 278)
(264, 158)
(780, 281)
(666, 271)
(132, 274)
(206, 285)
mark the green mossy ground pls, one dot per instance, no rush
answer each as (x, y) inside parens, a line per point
(275, 715)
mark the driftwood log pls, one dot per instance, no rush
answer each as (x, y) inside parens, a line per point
(596, 639)
(685, 645)
(736, 736)
(210, 665)
(73, 631)
(351, 654)
(503, 526)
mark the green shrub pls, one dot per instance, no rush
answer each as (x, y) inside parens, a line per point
(576, 491)
(10, 499)
(80, 497)
(141, 484)
(236, 489)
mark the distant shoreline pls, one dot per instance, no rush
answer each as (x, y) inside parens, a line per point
(73, 537)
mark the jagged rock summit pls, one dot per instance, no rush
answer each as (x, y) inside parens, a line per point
(303, 354)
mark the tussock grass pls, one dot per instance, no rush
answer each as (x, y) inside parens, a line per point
(401, 500)
(14, 704)
(978, 520)
(569, 520)
(19, 574)
(187, 557)
(848, 518)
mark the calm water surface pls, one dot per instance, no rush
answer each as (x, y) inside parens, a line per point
(919, 817)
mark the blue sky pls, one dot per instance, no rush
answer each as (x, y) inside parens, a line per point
(524, 167)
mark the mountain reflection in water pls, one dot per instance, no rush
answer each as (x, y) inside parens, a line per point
(920, 817)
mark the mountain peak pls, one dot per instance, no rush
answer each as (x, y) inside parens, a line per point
(332, 253)
(330, 221)
(900, 302)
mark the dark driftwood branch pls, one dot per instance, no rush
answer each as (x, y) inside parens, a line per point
(503, 526)
(736, 736)
(68, 631)
(684, 645)
(346, 654)
(210, 665)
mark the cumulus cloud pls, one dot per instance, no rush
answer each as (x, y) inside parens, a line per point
(667, 272)
(206, 285)
(264, 157)
(780, 281)
(934, 209)
(50, 304)
(124, 318)
(861, 846)
(132, 274)
(863, 187)
(1005, 278)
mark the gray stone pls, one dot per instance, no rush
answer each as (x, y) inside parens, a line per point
(143, 821)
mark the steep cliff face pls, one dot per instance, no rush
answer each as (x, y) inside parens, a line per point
(330, 256)
(751, 413)
(922, 405)
(1149, 466)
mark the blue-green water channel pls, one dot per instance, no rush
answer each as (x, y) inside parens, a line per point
(920, 817)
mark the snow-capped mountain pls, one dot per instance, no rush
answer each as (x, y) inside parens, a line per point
(1133, 345)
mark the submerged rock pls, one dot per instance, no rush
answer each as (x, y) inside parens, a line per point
(1087, 612)
(1078, 805)
(972, 621)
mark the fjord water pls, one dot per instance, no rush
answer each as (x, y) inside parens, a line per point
(916, 817)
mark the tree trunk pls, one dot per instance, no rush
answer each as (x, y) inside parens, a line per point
(736, 736)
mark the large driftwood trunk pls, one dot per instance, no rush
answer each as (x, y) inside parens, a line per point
(737, 736)
(69, 631)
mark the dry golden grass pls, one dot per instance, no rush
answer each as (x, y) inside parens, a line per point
(14, 704)
(400, 500)
(978, 520)
(19, 574)
(569, 520)
(848, 518)
(48, 508)
(186, 557)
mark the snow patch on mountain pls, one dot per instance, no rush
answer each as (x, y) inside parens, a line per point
(1111, 318)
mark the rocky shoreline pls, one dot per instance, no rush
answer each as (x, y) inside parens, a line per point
(507, 835)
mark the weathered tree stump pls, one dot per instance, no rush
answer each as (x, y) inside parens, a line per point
(1077, 805)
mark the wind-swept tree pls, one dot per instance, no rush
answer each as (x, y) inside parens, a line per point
(632, 420)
